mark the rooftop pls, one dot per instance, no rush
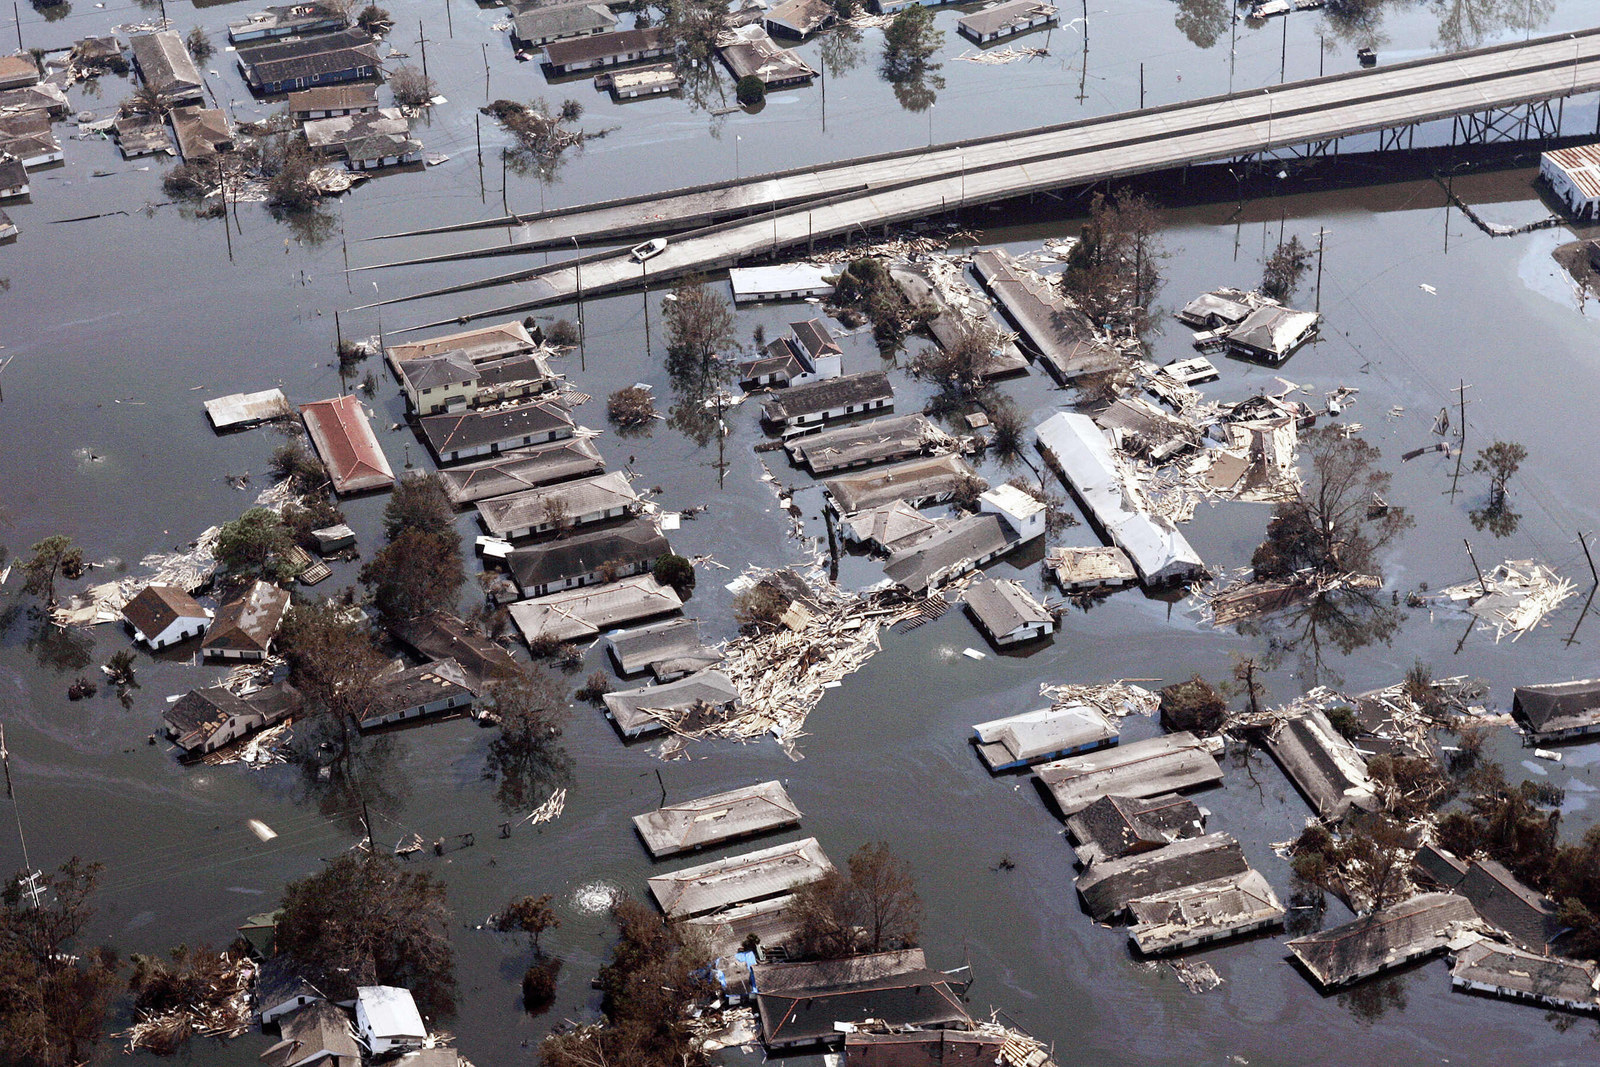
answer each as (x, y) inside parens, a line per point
(463, 431)
(236, 409)
(692, 824)
(445, 637)
(1003, 605)
(157, 607)
(317, 1027)
(641, 710)
(1581, 164)
(1108, 887)
(1061, 336)
(928, 478)
(561, 20)
(415, 687)
(948, 553)
(522, 468)
(637, 649)
(484, 342)
(1115, 826)
(814, 398)
(1207, 910)
(569, 501)
(1326, 767)
(346, 443)
(757, 875)
(1101, 564)
(1557, 706)
(604, 45)
(584, 613)
(391, 1011)
(802, 1003)
(1036, 735)
(1165, 764)
(584, 552)
(997, 17)
(334, 98)
(248, 622)
(877, 441)
(1518, 972)
(1385, 938)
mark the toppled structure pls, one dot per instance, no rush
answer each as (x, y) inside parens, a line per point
(1079, 569)
(1108, 887)
(695, 824)
(1116, 826)
(1325, 767)
(1078, 451)
(761, 875)
(1558, 711)
(1512, 598)
(668, 650)
(1197, 914)
(204, 720)
(749, 51)
(1038, 736)
(1058, 334)
(431, 689)
(437, 637)
(1166, 764)
(1387, 938)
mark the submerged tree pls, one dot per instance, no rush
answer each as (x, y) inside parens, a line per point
(1499, 461)
(960, 370)
(53, 997)
(700, 334)
(365, 920)
(333, 662)
(526, 758)
(55, 555)
(871, 908)
(1114, 271)
(256, 543)
(1285, 268)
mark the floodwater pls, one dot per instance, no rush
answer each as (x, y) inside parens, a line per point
(120, 326)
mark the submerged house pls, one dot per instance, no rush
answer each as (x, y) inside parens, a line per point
(1559, 710)
(140, 135)
(1272, 333)
(1110, 886)
(1178, 919)
(1058, 334)
(781, 281)
(816, 403)
(808, 354)
(749, 52)
(1153, 767)
(964, 544)
(332, 101)
(387, 1019)
(202, 132)
(1078, 451)
(1387, 938)
(637, 712)
(1505, 971)
(431, 689)
(1503, 900)
(317, 1035)
(752, 876)
(274, 22)
(439, 637)
(586, 558)
(584, 613)
(481, 344)
(695, 824)
(244, 627)
(890, 528)
(1218, 308)
(864, 444)
(164, 65)
(164, 615)
(1115, 826)
(668, 650)
(798, 18)
(1007, 613)
(344, 439)
(1099, 567)
(1322, 764)
(601, 50)
(817, 1003)
(204, 720)
(309, 62)
(534, 27)
(279, 989)
(916, 482)
(13, 178)
(561, 506)
(1007, 19)
(1573, 175)
(1019, 741)
(522, 468)
(455, 436)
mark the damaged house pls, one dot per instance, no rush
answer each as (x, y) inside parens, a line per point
(559, 507)
(1178, 919)
(522, 468)
(879, 441)
(349, 449)
(1271, 334)
(1115, 826)
(764, 874)
(432, 689)
(1110, 886)
(583, 613)
(204, 720)
(714, 820)
(165, 66)
(1007, 613)
(1558, 711)
(918, 483)
(164, 615)
(586, 558)
(668, 650)
(1387, 938)
(457, 436)
(637, 712)
(801, 406)
(244, 627)
(817, 1003)
(1019, 741)
(1156, 766)
(1325, 767)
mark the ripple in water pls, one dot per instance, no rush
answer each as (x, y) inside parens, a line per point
(595, 897)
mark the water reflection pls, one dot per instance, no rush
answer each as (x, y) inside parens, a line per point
(1358, 23)
(63, 649)
(1465, 24)
(1202, 21)
(841, 50)
(527, 769)
(1372, 1000)
(342, 770)
(1341, 620)
(312, 226)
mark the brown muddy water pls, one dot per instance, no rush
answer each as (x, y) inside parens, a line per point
(120, 326)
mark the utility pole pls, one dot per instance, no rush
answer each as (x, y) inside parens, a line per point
(16, 13)
(485, 72)
(1283, 56)
(1481, 583)
(477, 130)
(1584, 542)
(1319, 269)
(423, 41)
(1141, 86)
(1461, 392)
(577, 269)
(449, 22)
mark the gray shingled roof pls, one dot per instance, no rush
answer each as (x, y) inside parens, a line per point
(693, 824)
(634, 542)
(750, 876)
(1003, 605)
(1386, 938)
(1109, 886)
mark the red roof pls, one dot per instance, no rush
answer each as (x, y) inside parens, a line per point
(346, 443)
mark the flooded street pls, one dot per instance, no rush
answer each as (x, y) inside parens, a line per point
(120, 326)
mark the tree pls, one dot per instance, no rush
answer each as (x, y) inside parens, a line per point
(909, 42)
(759, 608)
(694, 26)
(1202, 21)
(1516, 825)
(255, 543)
(674, 570)
(532, 915)
(526, 758)
(1285, 267)
(571, 110)
(866, 292)
(293, 460)
(417, 573)
(1008, 440)
(1499, 461)
(1114, 271)
(364, 920)
(958, 371)
(631, 407)
(332, 662)
(199, 45)
(54, 555)
(146, 100)
(750, 90)
(375, 20)
(650, 985)
(1194, 705)
(1365, 866)
(53, 1000)
(1331, 527)
(191, 982)
(700, 330)
(418, 502)
(410, 86)
(873, 907)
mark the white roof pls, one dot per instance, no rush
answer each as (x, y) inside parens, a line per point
(1011, 501)
(782, 278)
(1079, 448)
(390, 1011)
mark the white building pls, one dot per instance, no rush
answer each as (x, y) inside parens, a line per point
(387, 1019)
(1573, 175)
(785, 281)
(164, 615)
(1021, 512)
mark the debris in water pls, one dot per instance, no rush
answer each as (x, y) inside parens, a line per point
(261, 829)
(1199, 977)
(1512, 598)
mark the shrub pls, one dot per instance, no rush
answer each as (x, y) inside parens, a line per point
(1194, 705)
(632, 406)
(563, 333)
(751, 90)
(674, 570)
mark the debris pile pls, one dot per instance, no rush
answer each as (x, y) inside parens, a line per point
(1512, 598)
(225, 1012)
(1114, 699)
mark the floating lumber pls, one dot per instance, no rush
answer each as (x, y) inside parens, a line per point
(696, 824)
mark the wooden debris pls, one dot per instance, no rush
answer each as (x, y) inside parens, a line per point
(1512, 598)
